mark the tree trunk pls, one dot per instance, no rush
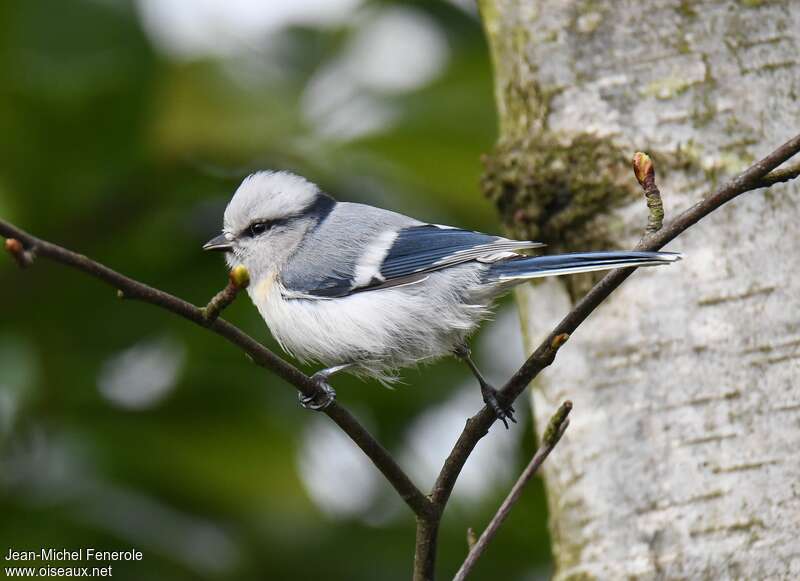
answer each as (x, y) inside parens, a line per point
(683, 457)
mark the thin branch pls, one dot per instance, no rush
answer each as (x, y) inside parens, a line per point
(425, 548)
(19, 242)
(478, 425)
(780, 175)
(238, 280)
(552, 435)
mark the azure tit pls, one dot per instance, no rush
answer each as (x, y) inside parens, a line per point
(369, 291)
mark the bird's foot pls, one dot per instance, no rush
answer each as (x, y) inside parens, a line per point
(462, 351)
(326, 395)
(492, 397)
(320, 400)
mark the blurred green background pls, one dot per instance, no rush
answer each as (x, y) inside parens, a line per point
(126, 126)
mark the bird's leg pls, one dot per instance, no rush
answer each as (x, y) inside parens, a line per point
(328, 395)
(490, 395)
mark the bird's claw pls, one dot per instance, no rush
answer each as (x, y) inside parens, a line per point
(321, 400)
(492, 399)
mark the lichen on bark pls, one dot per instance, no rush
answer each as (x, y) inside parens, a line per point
(560, 190)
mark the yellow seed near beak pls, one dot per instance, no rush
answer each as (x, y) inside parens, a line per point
(240, 277)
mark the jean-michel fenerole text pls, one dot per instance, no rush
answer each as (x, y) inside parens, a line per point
(84, 554)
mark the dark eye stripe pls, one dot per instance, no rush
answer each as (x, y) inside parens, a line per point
(260, 226)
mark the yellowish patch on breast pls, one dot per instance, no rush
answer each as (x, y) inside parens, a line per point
(264, 288)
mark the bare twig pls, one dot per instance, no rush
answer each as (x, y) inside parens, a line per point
(780, 175)
(262, 356)
(552, 435)
(238, 279)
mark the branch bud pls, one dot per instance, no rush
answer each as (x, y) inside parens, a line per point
(239, 277)
(645, 173)
(472, 538)
(15, 248)
(643, 168)
(557, 424)
(558, 341)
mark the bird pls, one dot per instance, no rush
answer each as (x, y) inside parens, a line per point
(369, 291)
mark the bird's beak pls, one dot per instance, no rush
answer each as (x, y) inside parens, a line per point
(219, 243)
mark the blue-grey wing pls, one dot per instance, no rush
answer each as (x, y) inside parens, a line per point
(392, 256)
(429, 247)
(325, 264)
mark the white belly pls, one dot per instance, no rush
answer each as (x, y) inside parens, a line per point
(380, 330)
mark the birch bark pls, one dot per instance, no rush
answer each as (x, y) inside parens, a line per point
(683, 456)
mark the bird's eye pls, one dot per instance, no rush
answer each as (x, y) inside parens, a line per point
(257, 228)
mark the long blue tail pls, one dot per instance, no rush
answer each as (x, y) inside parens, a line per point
(537, 266)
